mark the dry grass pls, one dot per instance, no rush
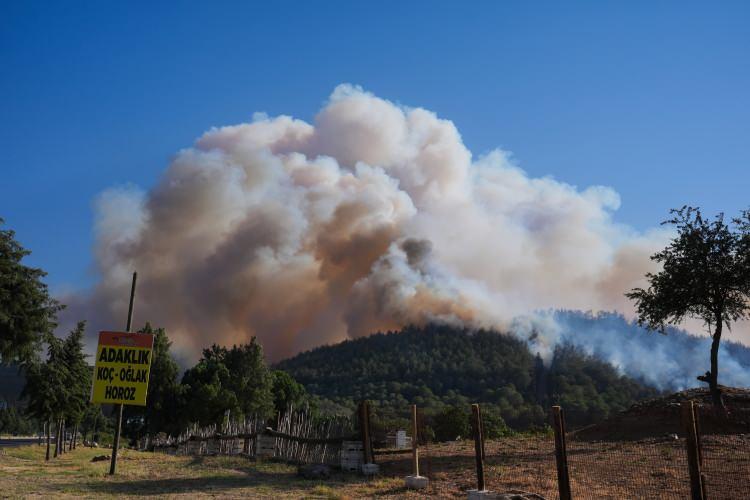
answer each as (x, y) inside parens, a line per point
(24, 473)
(649, 469)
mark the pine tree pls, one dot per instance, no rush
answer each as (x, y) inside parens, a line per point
(79, 377)
(161, 413)
(47, 390)
(27, 313)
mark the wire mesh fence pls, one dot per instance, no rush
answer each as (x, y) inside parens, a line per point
(616, 468)
(518, 464)
(726, 466)
(654, 468)
(522, 463)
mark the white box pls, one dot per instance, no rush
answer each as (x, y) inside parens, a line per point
(416, 482)
(481, 494)
(265, 446)
(370, 469)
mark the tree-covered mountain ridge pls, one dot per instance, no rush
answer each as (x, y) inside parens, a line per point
(436, 366)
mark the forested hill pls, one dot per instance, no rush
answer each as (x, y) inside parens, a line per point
(439, 366)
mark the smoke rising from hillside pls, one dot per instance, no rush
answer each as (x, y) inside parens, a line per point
(373, 217)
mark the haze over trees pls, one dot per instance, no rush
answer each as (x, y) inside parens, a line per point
(705, 275)
(439, 367)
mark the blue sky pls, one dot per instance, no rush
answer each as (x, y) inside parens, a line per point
(650, 98)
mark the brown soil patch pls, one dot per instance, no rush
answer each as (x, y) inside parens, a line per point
(660, 417)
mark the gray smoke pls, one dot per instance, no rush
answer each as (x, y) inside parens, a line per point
(372, 217)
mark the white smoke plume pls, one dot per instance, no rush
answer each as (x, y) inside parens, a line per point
(373, 217)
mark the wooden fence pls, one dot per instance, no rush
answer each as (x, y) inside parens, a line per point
(298, 438)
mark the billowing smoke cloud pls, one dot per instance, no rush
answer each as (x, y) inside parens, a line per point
(373, 217)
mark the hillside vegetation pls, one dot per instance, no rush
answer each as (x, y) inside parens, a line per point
(439, 366)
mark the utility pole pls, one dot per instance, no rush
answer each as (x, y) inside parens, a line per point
(116, 444)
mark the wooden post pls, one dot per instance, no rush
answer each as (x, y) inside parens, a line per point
(699, 440)
(481, 428)
(58, 426)
(49, 430)
(476, 427)
(364, 423)
(62, 438)
(693, 451)
(118, 428)
(362, 431)
(561, 454)
(414, 441)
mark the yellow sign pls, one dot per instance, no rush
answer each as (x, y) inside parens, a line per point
(122, 368)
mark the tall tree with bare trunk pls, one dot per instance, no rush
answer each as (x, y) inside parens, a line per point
(705, 275)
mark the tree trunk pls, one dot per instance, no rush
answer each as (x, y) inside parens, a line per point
(94, 436)
(62, 438)
(713, 378)
(58, 427)
(49, 424)
(75, 436)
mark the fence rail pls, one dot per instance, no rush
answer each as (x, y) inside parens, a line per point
(299, 438)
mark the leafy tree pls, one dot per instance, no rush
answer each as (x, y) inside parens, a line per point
(58, 389)
(251, 379)
(95, 423)
(286, 391)
(164, 399)
(705, 275)
(12, 421)
(78, 374)
(452, 423)
(27, 313)
(235, 380)
(162, 410)
(493, 425)
(46, 388)
(207, 390)
(164, 391)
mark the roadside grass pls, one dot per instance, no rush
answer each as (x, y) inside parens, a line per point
(527, 463)
(24, 473)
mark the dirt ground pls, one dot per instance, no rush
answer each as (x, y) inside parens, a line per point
(660, 416)
(644, 469)
(651, 468)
